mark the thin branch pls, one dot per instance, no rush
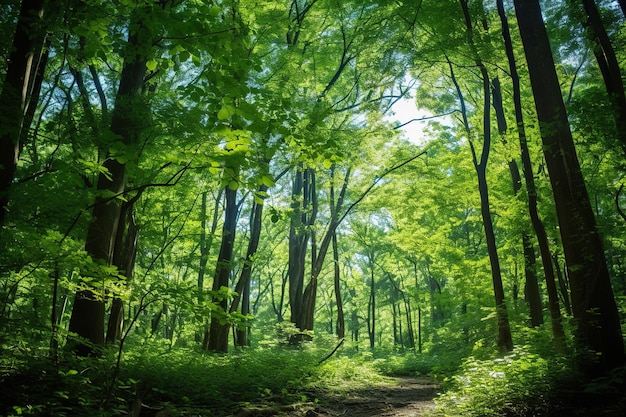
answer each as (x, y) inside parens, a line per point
(421, 119)
(376, 181)
(325, 358)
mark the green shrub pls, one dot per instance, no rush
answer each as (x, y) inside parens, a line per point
(514, 384)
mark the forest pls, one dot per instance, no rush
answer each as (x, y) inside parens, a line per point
(311, 207)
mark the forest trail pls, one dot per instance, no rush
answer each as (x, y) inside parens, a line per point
(401, 397)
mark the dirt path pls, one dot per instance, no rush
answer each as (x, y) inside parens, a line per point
(401, 397)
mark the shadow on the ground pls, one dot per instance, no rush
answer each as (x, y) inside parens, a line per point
(402, 397)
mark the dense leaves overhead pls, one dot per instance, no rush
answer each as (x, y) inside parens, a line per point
(191, 170)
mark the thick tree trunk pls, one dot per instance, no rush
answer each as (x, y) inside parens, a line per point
(540, 231)
(20, 90)
(593, 301)
(242, 288)
(218, 331)
(87, 319)
(124, 258)
(298, 242)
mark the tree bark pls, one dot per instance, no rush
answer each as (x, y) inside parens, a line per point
(563, 285)
(609, 66)
(593, 302)
(218, 331)
(87, 319)
(371, 306)
(124, 258)
(242, 288)
(298, 241)
(20, 90)
(540, 231)
(531, 287)
(504, 339)
(341, 325)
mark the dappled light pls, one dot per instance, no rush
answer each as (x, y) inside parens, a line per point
(312, 208)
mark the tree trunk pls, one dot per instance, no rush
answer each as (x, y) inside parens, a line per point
(593, 302)
(341, 326)
(20, 90)
(127, 121)
(371, 312)
(531, 287)
(298, 242)
(242, 288)
(504, 340)
(124, 258)
(409, 322)
(540, 231)
(218, 331)
(563, 285)
(205, 244)
(609, 66)
(419, 329)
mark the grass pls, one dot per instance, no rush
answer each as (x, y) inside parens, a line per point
(191, 382)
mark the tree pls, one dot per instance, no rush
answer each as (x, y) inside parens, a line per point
(609, 66)
(593, 303)
(127, 122)
(20, 90)
(531, 189)
(505, 342)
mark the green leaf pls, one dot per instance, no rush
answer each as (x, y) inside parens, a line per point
(267, 180)
(151, 65)
(223, 114)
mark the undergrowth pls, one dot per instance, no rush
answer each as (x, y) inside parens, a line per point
(528, 382)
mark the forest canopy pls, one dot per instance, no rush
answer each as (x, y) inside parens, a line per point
(443, 178)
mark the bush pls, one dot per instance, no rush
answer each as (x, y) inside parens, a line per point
(514, 384)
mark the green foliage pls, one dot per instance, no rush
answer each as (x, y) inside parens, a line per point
(233, 101)
(218, 383)
(519, 383)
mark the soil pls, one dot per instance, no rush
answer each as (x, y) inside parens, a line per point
(401, 397)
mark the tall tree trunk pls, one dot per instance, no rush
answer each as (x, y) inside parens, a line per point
(128, 118)
(371, 311)
(409, 321)
(124, 258)
(205, 244)
(609, 66)
(354, 320)
(218, 331)
(531, 287)
(504, 339)
(298, 242)
(242, 288)
(593, 302)
(341, 325)
(318, 256)
(20, 90)
(563, 285)
(531, 189)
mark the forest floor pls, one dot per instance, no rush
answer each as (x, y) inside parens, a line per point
(400, 397)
